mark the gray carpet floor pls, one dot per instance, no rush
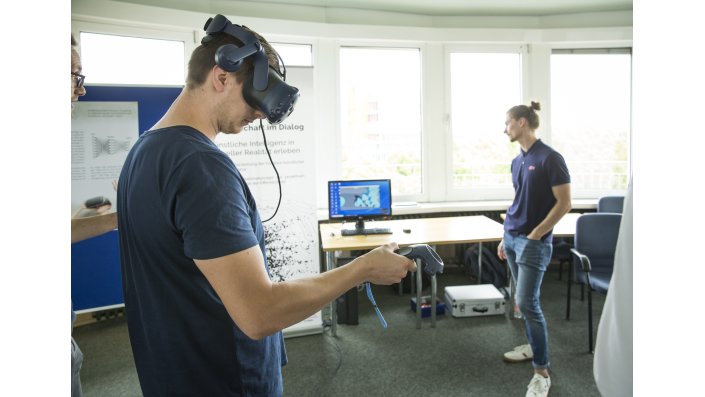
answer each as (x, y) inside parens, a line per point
(459, 357)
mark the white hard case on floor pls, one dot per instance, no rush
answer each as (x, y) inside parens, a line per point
(474, 300)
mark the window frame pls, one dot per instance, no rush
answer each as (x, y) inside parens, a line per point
(601, 48)
(456, 194)
(185, 36)
(276, 43)
(436, 139)
(378, 44)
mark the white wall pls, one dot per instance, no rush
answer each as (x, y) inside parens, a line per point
(538, 35)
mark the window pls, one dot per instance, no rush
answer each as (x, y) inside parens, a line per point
(111, 59)
(483, 86)
(380, 114)
(590, 117)
(294, 54)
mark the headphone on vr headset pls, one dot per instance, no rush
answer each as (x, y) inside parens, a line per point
(265, 89)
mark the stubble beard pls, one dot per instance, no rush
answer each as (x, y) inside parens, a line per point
(231, 129)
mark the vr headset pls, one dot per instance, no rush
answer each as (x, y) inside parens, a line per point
(265, 88)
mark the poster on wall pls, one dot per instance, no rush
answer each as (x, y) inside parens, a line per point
(292, 235)
(102, 133)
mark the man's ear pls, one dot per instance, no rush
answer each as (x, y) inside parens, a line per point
(219, 78)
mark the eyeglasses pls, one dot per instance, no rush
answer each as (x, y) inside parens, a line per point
(79, 78)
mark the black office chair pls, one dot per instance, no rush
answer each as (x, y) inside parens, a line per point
(561, 252)
(595, 243)
(613, 204)
(562, 247)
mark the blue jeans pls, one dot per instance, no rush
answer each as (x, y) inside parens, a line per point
(528, 260)
(76, 363)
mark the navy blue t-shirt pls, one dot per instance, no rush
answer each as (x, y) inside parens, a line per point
(181, 198)
(534, 174)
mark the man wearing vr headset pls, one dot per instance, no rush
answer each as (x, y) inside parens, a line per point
(203, 315)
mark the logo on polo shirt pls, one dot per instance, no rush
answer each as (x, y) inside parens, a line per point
(531, 168)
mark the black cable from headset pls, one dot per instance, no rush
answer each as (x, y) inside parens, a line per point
(279, 182)
(283, 67)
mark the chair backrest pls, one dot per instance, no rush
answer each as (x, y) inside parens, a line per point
(613, 204)
(596, 237)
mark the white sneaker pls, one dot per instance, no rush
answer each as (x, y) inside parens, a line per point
(519, 354)
(538, 387)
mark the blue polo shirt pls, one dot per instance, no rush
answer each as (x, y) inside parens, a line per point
(534, 174)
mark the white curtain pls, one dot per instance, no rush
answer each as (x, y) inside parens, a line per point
(613, 364)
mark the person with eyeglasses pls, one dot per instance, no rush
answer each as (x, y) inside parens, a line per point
(85, 227)
(78, 80)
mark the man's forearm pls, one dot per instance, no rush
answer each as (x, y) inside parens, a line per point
(560, 208)
(85, 228)
(298, 299)
(555, 215)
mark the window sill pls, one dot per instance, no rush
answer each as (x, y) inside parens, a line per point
(462, 206)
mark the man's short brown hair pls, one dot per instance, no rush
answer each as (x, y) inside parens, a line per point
(203, 58)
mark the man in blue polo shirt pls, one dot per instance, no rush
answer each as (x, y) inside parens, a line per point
(542, 196)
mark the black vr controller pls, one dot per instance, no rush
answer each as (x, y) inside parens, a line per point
(434, 263)
(97, 202)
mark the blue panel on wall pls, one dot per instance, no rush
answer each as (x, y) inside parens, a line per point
(153, 102)
(95, 272)
(95, 263)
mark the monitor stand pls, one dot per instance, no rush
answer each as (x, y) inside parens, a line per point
(360, 225)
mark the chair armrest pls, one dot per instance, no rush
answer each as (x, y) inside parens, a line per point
(584, 260)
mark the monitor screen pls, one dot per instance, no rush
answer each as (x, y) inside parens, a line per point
(360, 199)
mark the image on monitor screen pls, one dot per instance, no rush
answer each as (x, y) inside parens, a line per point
(359, 199)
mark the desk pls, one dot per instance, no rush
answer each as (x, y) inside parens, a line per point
(431, 231)
(565, 227)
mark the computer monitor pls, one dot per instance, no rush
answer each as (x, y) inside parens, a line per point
(360, 200)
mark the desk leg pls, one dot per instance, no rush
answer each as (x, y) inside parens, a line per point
(433, 297)
(412, 281)
(418, 293)
(479, 264)
(330, 264)
(433, 301)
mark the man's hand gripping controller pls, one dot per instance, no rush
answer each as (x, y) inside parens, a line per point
(434, 263)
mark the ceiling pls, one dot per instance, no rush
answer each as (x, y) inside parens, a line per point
(469, 7)
(426, 8)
